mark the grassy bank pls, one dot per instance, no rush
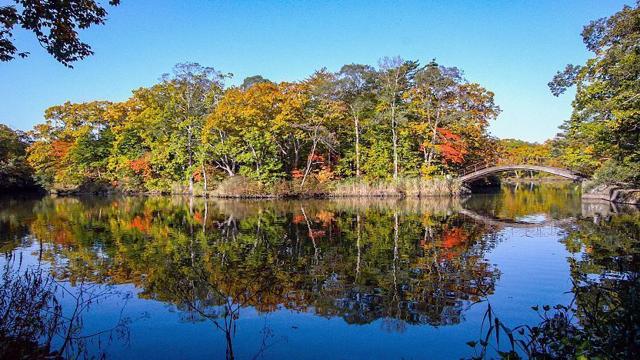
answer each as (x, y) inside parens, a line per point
(239, 187)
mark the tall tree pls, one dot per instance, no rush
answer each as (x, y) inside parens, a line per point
(605, 124)
(324, 109)
(355, 87)
(73, 146)
(433, 100)
(395, 76)
(252, 80)
(15, 173)
(194, 91)
(242, 131)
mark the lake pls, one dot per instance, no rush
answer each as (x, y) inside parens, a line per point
(175, 277)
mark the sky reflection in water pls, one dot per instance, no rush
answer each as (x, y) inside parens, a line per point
(350, 278)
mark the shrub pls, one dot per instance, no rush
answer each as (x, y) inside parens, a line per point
(616, 173)
(239, 186)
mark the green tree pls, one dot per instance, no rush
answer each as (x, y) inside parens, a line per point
(605, 124)
(395, 76)
(73, 146)
(15, 173)
(356, 86)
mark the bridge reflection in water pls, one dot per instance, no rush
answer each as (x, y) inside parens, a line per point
(395, 262)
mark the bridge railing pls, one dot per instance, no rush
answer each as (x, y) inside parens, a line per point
(497, 162)
(476, 167)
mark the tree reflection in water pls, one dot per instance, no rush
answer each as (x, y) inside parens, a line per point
(398, 262)
(603, 320)
(35, 324)
(407, 262)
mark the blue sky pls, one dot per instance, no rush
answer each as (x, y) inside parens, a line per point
(513, 48)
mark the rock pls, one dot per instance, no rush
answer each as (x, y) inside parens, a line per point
(614, 194)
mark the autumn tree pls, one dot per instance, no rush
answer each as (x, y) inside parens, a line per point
(323, 109)
(193, 92)
(55, 25)
(449, 115)
(375, 124)
(73, 146)
(240, 131)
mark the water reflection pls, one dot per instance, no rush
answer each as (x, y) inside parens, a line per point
(602, 320)
(401, 262)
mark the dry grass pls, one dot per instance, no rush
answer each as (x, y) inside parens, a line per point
(242, 187)
(401, 188)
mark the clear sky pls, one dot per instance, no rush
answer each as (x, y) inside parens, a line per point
(510, 47)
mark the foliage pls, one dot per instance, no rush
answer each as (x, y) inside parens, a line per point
(15, 173)
(190, 132)
(73, 146)
(55, 25)
(414, 262)
(602, 320)
(605, 124)
(614, 173)
(513, 151)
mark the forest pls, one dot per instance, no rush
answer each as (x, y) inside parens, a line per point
(189, 132)
(400, 124)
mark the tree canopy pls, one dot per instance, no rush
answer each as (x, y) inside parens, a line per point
(190, 131)
(605, 124)
(55, 25)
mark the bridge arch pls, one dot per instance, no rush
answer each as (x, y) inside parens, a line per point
(476, 173)
(502, 223)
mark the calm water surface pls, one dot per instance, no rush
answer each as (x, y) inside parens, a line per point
(170, 277)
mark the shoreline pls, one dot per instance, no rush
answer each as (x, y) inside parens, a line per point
(415, 190)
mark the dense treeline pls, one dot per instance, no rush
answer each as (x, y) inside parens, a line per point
(360, 125)
(190, 131)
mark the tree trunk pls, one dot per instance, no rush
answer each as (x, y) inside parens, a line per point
(433, 143)
(310, 158)
(204, 177)
(394, 136)
(189, 169)
(356, 122)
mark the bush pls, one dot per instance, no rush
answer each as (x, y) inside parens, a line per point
(239, 186)
(625, 174)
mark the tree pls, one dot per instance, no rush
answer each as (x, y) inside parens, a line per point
(55, 25)
(449, 116)
(72, 148)
(433, 101)
(194, 91)
(15, 173)
(241, 131)
(395, 76)
(355, 87)
(605, 124)
(252, 80)
(189, 129)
